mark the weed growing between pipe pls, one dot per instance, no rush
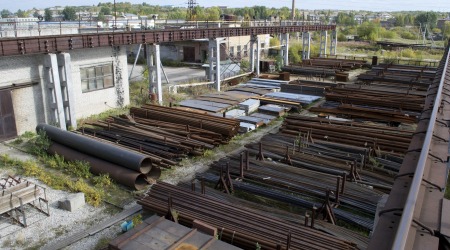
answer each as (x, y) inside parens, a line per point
(73, 176)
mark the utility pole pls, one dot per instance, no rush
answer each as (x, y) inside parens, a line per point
(191, 9)
(293, 10)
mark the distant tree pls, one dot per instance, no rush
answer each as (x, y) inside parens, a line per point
(101, 17)
(105, 10)
(400, 20)
(48, 16)
(427, 19)
(446, 30)
(69, 13)
(5, 13)
(21, 13)
(212, 14)
(36, 14)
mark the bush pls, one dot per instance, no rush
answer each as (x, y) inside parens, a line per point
(295, 53)
(341, 37)
(407, 35)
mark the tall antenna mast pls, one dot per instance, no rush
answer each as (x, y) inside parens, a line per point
(191, 9)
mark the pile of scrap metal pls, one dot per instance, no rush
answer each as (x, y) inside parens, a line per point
(127, 167)
(243, 227)
(16, 194)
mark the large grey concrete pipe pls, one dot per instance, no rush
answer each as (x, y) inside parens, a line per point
(125, 158)
(119, 174)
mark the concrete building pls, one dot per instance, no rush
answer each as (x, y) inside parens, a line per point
(196, 51)
(29, 87)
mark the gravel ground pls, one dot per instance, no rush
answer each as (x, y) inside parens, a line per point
(43, 230)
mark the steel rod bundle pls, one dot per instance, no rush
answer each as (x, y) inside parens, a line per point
(240, 226)
(225, 126)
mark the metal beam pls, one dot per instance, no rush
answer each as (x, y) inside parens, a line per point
(61, 43)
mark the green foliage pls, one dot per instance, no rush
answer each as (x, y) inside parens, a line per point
(295, 52)
(369, 30)
(245, 66)
(21, 13)
(69, 13)
(39, 144)
(274, 42)
(5, 13)
(102, 180)
(48, 15)
(427, 19)
(446, 30)
(341, 37)
(137, 219)
(346, 19)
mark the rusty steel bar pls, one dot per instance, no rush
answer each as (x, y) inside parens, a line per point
(125, 158)
(120, 174)
(56, 44)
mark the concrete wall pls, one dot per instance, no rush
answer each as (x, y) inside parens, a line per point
(31, 104)
(174, 51)
(97, 101)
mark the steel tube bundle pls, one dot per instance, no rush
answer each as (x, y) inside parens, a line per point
(120, 174)
(125, 158)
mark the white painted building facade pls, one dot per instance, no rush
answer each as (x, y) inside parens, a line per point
(98, 80)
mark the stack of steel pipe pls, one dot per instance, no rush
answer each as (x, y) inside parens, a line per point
(225, 126)
(240, 226)
(126, 167)
(351, 133)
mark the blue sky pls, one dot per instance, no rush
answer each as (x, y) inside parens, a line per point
(374, 5)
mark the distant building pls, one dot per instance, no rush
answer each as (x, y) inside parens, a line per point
(441, 23)
(18, 21)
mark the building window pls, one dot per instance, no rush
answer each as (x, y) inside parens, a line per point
(96, 77)
(231, 51)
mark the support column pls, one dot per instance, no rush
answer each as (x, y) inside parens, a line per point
(214, 62)
(323, 43)
(333, 45)
(68, 96)
(285, 48)
(154, 71)
(253, 41)
(306, 53)
(54, 91)
(258, 56)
